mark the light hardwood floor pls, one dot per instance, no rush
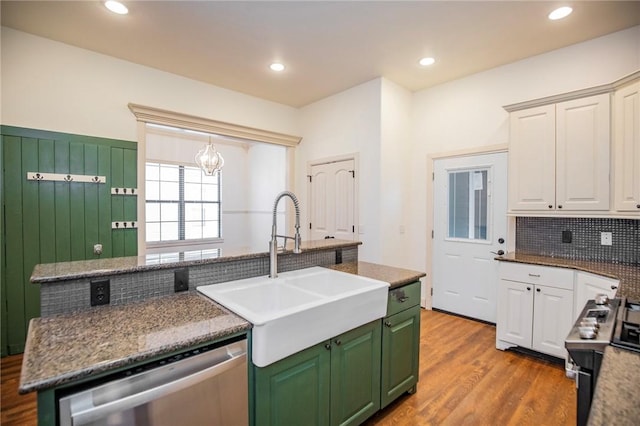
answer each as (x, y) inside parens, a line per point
(464, 380)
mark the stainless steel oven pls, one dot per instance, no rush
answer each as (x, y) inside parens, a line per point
(586, 342)
(205, 386)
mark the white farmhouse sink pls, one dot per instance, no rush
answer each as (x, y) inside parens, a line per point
(300, 308)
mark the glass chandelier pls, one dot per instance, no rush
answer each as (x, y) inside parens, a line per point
(209, 160)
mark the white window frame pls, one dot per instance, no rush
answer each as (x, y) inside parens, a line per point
(181, 242)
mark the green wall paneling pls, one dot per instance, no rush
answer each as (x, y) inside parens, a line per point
(48, 222)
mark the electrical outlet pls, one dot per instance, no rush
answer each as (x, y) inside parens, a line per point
(606, 239)
(566, 236)
(100, 292)
(181, 280)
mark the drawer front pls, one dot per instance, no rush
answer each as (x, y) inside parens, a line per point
(404, 297)
(535, 274)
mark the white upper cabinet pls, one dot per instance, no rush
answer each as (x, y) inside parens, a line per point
(532, 150)
(626, 148)
(582, 153)
(559, 156)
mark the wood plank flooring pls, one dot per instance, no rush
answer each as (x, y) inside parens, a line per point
(464, 380)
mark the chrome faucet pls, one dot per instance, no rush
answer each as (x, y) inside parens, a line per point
(273, 244)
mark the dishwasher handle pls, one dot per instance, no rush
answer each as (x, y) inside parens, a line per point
(97, 412)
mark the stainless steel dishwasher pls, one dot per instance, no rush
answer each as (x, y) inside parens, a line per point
(205, 386)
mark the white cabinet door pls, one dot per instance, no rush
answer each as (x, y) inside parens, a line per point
(582, 153)
(626, 148)
(553, 318)
(532, 159)
(515, 313)
(588, 286)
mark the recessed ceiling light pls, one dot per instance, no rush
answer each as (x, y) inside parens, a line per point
(116, 7)
(425, 62)
(276, 66)
(561, 12)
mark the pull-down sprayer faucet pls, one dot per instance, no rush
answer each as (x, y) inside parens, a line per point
(273, 244)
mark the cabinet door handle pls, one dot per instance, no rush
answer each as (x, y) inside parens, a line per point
(550, 206)
(528, 288)
(538, 290)
(614, 287)
(387, 323)
(338, 342)
(403, 299)
(535, 275)
(327, 346)
(560, 206)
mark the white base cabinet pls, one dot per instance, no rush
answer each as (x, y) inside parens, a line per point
(535, 308)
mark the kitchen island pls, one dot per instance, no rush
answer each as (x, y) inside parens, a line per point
(75, 343)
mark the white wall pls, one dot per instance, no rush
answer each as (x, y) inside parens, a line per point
(347, 123)
(468, 112)
(393, 199)
(53, 86)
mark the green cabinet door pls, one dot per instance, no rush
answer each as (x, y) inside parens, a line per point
(295, 390)
(355, 374)
(400, 354)
(336, 382)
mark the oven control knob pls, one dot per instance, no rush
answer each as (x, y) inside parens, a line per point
(602, 299)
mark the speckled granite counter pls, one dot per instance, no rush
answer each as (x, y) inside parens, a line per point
(394, 276)
(628, 275)
(616, 398)
(54, 272)
(64, 348)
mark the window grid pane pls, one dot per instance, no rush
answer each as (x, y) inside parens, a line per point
(182, 203)
(468, 207)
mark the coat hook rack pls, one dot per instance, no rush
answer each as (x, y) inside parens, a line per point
(65, 177)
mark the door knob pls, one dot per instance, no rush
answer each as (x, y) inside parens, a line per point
(500, 240)
(499, 252)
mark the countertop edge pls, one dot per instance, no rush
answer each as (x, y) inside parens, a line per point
(239, 326)
(396, 277)
(560, 264)
(94, 269)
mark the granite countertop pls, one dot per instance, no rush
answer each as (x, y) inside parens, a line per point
(64, 348)
(616, 397)
(629, 275)
(396, 277)
(62, 271)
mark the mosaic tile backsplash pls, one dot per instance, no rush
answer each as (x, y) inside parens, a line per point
(73, 295)
(543, 236)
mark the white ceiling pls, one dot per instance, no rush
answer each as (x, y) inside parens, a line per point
(327, 46)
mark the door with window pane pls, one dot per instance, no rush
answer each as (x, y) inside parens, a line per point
(470, 205)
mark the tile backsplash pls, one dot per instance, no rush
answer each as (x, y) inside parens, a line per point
(543, 236)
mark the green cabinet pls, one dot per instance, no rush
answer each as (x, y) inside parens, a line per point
(400, 343)
(336, 382)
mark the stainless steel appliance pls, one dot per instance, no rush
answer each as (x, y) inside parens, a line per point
(586, 342)
(627, 332)
(205, 386)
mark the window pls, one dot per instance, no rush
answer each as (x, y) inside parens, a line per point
(468, 207)
(182, 203)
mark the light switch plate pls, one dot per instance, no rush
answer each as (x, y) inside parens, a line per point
(606, 239)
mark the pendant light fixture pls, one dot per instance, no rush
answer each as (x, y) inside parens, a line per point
(209, 160)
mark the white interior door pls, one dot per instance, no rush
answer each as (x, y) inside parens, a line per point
(332, 200)
(470, 226)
